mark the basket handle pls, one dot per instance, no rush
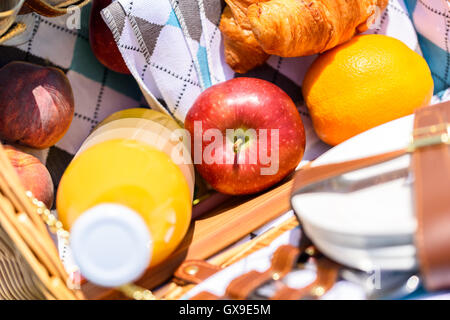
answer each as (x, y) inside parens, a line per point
(16, 29)
(46, 9)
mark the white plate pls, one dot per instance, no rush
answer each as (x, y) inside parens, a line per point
(383, 210)
(386, 251)
(357, 241)
(396, 258)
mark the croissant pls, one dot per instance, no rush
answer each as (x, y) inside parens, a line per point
(242, 50)
(253, 29)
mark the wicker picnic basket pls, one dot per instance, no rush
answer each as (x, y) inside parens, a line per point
(52, 8)
(30, 267)
(42, 7)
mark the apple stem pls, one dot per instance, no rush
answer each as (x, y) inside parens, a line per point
(237, 145)
(236, 148)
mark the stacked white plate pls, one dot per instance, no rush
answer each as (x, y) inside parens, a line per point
(368, 227)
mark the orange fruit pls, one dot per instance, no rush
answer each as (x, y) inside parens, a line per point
(362, 83)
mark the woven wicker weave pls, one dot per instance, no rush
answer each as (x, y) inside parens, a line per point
(17, 281)
(30, 267)
(46, 8)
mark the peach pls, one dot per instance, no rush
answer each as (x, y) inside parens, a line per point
(36, 104)
(33, 174)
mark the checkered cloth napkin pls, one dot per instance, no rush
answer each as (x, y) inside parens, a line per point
(98, 91)
(174, 51)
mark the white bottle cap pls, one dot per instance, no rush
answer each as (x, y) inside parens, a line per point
(111, 245)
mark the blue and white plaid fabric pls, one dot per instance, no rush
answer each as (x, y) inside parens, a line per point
(168, 48)
(432, 22)
(174, 50)
(98, 91)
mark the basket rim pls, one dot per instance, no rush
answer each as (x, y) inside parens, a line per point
(13, 10)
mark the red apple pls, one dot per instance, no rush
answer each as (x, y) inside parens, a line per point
(33, 175)
(245, 162)
(102, 40)
(36, 104)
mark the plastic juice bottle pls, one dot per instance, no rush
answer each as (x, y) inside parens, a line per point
(152, 127)
(125, 200)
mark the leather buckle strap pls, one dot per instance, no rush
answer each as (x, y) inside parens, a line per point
(326, 276)
(283, 260)
(322, 178)
(241, 287)
(194, 271)
(430, 148)
(205, 295)
(431, 167)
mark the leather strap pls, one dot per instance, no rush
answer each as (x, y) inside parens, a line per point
(43, 8)
(194, 271)
(431, 167)
(283, 260)
(205, 295)
(326, 275)
(309, 178)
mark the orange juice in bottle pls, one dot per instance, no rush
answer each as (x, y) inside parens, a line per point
(125, 199)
